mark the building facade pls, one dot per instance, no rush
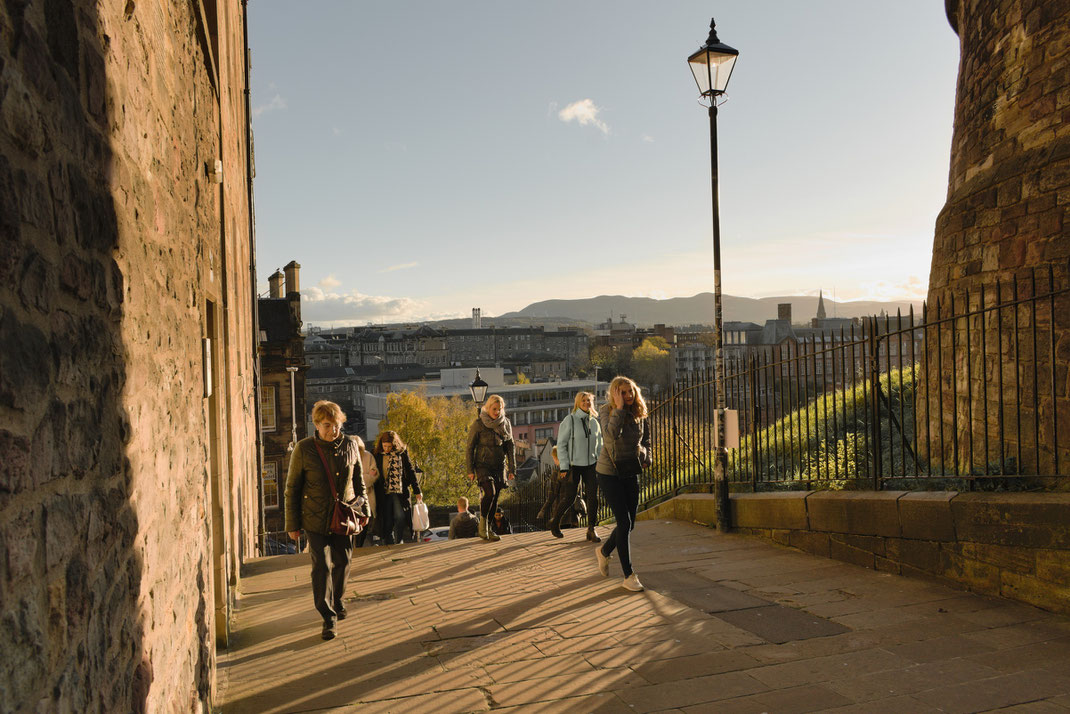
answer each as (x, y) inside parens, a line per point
(283, 407)
(128, 381)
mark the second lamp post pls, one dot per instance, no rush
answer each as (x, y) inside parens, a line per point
(712, 66)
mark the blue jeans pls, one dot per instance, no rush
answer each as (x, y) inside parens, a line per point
(622, 495)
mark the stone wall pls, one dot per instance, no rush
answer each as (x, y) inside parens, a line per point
(127, 498)
(1014, 545)
(1005, 220)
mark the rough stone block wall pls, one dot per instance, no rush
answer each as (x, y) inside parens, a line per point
(1004, 230)
(110, 235)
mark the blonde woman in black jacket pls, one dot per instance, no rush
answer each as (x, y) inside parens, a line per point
(625, 452)
(491, 458)
(310, 502)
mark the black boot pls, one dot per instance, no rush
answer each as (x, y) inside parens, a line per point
(592, 536)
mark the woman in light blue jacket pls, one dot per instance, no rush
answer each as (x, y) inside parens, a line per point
(579, 441)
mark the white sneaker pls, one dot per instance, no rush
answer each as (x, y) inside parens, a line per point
(632, 583)
(603, 562)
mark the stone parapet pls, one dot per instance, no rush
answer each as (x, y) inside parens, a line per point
(1014, 545)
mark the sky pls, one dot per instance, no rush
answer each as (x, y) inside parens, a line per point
(421, 158)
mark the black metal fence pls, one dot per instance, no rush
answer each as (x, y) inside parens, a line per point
(972, 391)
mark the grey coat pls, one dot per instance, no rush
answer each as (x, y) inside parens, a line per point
(623, 439)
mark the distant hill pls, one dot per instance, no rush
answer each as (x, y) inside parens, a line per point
(697, 309)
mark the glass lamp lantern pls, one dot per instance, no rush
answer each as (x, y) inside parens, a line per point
(478, 388)
(712, 64)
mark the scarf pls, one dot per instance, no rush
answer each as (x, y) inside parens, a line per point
(343, 449)
(500, 425)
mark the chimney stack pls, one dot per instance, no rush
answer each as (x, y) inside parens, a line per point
(292, 283)
(477, 318)
(783, 312)
(275, 284)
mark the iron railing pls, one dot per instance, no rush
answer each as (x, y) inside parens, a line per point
(971, 394)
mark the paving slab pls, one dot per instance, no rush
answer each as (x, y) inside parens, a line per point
(727, 624)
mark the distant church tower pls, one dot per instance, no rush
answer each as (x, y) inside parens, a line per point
(820, 305)
(477, 318)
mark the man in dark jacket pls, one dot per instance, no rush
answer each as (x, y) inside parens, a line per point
(464, 524)
(500, 523)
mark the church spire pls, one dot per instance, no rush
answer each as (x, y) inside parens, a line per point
(820, 305)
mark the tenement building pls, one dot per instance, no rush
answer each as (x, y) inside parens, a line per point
(128, 462)
(283, 409)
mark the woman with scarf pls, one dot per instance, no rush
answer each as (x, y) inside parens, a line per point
(322, 468)
(396, 476)
(579, 442)
(625, 453)
(491, 458)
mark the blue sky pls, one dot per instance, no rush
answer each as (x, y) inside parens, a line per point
(419, 159)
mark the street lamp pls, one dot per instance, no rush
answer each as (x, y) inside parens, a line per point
(712, 66)
(478, 388)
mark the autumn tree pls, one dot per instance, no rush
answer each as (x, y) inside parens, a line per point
(436, 431)
(651, 364)
(522, 378)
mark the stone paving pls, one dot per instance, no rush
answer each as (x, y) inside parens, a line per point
(727, 624)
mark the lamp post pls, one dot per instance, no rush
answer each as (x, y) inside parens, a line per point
(712, 66)
(478, 388)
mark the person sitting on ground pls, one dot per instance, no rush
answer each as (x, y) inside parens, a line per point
(464, 524)
(500, 524)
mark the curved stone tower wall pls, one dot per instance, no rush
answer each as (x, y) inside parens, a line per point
(1004, 230)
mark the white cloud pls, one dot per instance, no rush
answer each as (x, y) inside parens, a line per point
(648, 138)
(320, 306)
(401, 266)
(585, 113)
(277, 102)
(330, 282)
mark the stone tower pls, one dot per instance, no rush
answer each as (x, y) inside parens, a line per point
(1001, 234)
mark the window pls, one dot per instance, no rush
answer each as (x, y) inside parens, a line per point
(271, 484)
(546, 433)
(267, 409)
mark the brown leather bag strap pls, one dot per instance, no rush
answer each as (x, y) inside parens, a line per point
(327, 469)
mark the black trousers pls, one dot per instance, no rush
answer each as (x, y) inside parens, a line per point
(330, 569)
(395, 525)
(488, 503)
(567, 494)
(622, 495)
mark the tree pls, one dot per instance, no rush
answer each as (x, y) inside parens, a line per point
(522, 378)
(658, 342)
(651, 364)
(436, 431)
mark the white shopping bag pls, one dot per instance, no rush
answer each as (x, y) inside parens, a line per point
(420, 520)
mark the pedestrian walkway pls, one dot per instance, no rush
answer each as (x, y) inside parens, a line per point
(727, 624)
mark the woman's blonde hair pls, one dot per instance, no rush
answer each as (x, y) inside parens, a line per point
(578, 404)
(638, 407)
(327, 411)
(490, 400)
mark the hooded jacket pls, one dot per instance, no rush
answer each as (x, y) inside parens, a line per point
(579, 440)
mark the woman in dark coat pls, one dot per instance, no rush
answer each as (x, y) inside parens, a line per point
(397, 476)
(491, 458)
(310, 503)
(625, 452)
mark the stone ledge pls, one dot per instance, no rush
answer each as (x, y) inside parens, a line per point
(1012, 544)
